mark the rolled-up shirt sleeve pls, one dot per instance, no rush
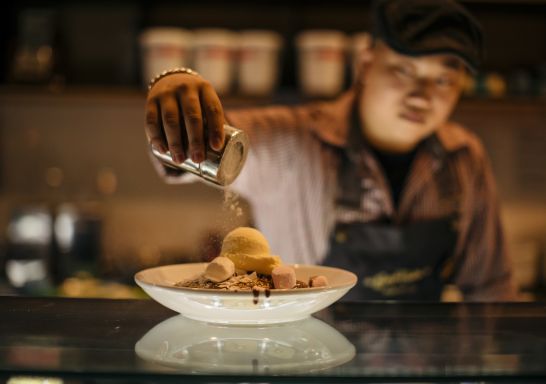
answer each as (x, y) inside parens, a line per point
(267, 128)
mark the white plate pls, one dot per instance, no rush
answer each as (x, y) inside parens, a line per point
(217, 306)
(197, 347)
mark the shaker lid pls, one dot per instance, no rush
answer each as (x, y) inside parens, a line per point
(233, 159)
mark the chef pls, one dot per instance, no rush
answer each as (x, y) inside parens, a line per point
(378, 181)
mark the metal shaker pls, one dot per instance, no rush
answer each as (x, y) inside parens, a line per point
(219, 167)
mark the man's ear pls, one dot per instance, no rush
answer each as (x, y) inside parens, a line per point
(364, 59)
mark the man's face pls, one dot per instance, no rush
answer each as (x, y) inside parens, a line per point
(405, 99)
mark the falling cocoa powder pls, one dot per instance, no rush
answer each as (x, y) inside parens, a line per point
(232, 211)
(231, 202)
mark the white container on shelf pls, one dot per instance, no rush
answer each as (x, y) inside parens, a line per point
(258, 61)
(321, 59)
(213, 53)
(164, 48)
(360, 45)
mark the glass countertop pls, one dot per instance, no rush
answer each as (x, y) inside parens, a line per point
(141, 341)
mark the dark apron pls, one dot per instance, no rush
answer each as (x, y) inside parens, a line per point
(393, 262)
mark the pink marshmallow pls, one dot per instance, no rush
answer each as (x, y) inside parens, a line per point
(284, 277)
(318, 281)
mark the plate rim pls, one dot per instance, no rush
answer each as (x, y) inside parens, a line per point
(207, 291)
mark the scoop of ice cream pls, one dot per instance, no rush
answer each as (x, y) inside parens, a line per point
(219, 269)
(245, 240)
(284, 277)
(318, 281)
(249, 250)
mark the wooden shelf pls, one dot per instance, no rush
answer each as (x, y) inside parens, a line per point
(282, 96)
(507, 104)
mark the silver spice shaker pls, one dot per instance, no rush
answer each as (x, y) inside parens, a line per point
(219, 167)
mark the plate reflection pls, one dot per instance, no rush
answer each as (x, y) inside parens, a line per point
(192, 346)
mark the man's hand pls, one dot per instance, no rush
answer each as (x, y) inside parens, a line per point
(183, 112)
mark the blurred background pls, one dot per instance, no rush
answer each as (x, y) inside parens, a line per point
(81, 208)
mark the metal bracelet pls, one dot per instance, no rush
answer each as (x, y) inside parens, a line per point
(189, 71)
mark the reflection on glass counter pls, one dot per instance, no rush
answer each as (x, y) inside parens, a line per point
(97, 340)
(192, 346)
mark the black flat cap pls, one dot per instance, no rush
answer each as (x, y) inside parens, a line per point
(421, 27)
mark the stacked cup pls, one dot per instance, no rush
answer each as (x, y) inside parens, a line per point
(163, 49)
(258, 61)
(213, 51)
(321, 59)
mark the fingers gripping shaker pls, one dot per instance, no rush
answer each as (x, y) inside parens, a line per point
(219, 167)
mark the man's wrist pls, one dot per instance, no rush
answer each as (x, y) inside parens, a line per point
(168, 72)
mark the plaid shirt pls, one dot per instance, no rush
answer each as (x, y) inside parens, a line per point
(290, 180)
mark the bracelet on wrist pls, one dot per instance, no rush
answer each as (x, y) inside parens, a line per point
(189, 71)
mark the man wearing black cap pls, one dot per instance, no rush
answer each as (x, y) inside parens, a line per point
(379, 181)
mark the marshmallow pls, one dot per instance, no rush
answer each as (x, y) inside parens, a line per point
(219, 269)
(284, 277)
(318, 281)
